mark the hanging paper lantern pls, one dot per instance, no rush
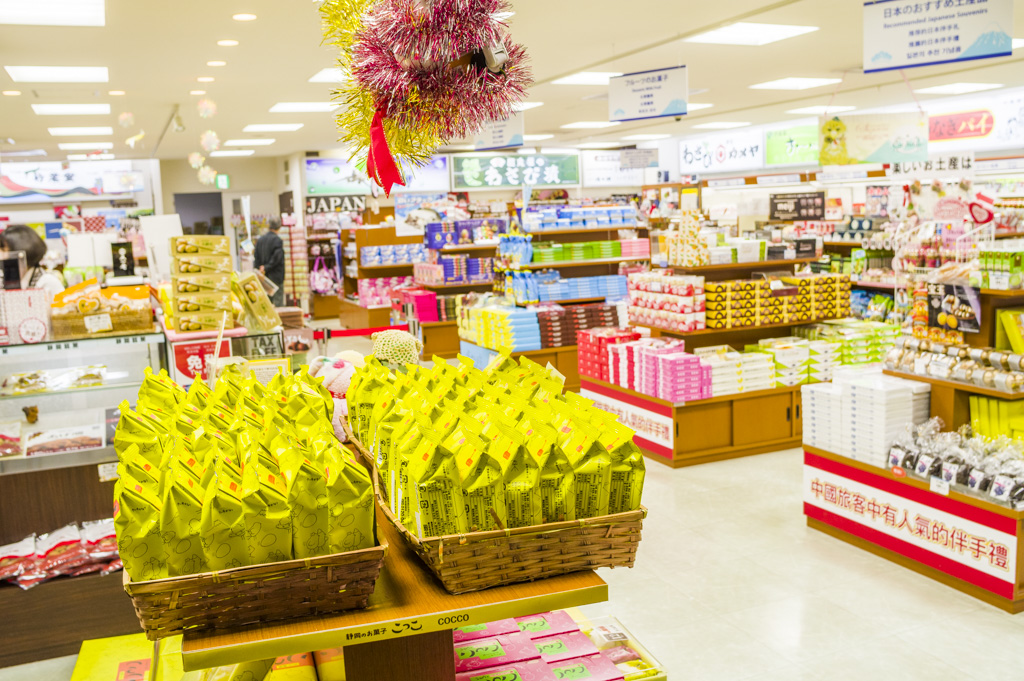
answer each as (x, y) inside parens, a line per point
(420, 73)
(207, 175)
(196, 160)
(209, 141)
(207, 108)
(126, 119)
(135, 139)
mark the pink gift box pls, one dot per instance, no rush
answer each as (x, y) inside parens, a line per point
(564, 646)
(478, 631)
(547, 624)
(592, 668)
(534, 670)
(494, 651)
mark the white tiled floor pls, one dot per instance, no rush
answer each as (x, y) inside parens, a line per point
(731, 584)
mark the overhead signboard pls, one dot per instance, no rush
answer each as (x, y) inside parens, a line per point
(501, 134)
(489, 171)
(791, 146)
(900, 34)
(954, 165)
(36, 182)
(995, 123)
(722, 152)
(433, 177)
(648, 94)
(639, 158)
(334, 176)
(604, 169)
(335, 204)
(797, 206)
(873, 138)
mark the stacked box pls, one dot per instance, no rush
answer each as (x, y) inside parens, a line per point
(825, 357)
(734, 372)
(556, 330)
(498, 328)
(822, 416)
(201, 270)
(680, 378)
(875, 411)
(593, 346)
(646, 366)
(792, 359)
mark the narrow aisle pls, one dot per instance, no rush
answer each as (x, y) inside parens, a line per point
(731, 584)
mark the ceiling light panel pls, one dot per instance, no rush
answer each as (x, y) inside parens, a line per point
(334, 75)
(216, 63)
(91, 157)
(244, 17)
(249, 143)
(537, 138)
(71, 109)
(84, 146)
(23, 154)
(646, 137)
(590, 125)
(53, 12)
(958, 88)
(81, 131)
(697, 106)
(722, 125)
(273, 127)
(227, 43)
(820, 110)
(12, 93)
(303, 107)
(749, 33)
(205, 79)
(599, 145)
(58, 74)
(232, 152)
(526, 106)
(197, 92)
(588, 78)
(795, 83)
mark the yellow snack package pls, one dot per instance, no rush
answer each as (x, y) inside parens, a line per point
(557, 480)
(330, 664)
(137, 523)
(349, 502)
(222, 524)
(482, 474)
(158, 391)
(360, 405)
(437, 421)
(522, 479)
(252, 395)
(590, 463)
(293, 668)
(188, 419)
(382, 406)
(141, 469)
(317, 390)
(307, 498)
(133, 429)
(395, 427)
(435, 503)
(180, 520)
(628, 468)
(245, 671)
(199, 394)
(268, 525)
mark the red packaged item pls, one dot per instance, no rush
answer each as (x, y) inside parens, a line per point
(112, 566)
(60, 551)
(100, 539)
(15, 557)
(86, 569)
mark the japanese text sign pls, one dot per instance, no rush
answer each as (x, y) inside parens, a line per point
(938, 166)
(500, 134)
(604, 169)
(795, 145)
(873, 138)
(482, 171)
(648, 94)
(722, 152)
(192, 359)
(47, 181)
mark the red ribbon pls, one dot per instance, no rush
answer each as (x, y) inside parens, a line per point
(380, 164)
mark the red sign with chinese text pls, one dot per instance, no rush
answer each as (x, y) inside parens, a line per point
(192, 357)
(969, 124)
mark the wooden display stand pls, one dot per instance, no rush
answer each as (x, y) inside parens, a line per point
(355, 316)
(703, 431)
(351, 314)
(405, 633)
(565, 359)
(441, 339)
(963, 541)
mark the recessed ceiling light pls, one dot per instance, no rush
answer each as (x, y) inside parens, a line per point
(333, 75)
(697, 106)
(536, 138)
(197, 92)
(590, 125)
(559, 150)
(722, 125)
(249, 143)
(588, 78)
(70, 132)
(71, 109)
(244, 17)
(820, 110)
(84, 146)
(26, 153)
(646, 137)
(12, 93)
(748, 33)
(233, 152)
(795, 83)
(116, 93)
(91, 157)
(58, 74)
(958, 88)
(272, 127)
(53, 12)
(526, 151)
(303, 107)
(227, 43)
(524, 106)
(1016, 43)
(599, 145)
(460, 147)
(216, 63)
(205, 79)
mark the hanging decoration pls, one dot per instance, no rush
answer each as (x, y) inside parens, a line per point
(207, 108)
(209, 141)
(418, 74)
(207, 175)
(126, 119)
(196, 160)
(135, 139)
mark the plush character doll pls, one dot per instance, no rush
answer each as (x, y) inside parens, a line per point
(336, 373)
(396, 348)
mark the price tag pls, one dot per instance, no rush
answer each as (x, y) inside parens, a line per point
(939, 486)
(98, 323)
(107, 471)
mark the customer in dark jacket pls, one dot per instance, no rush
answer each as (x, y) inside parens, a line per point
(270, 259)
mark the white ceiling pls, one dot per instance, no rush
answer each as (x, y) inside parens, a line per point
(156, 50)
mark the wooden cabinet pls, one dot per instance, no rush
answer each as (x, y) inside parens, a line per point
(762, 419)
(700, 427)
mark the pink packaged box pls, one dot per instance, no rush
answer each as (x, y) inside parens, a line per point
(477, 631)
(547, 624)
(534, 670)
(564, 646)
(592, 668)
(485, 653)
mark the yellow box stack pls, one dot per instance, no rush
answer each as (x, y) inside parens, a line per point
(200, 282)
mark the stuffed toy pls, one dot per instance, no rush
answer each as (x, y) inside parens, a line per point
(396, 348)
(336, 373)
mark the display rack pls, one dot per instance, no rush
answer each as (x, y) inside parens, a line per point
(565, 359)
(321, 306)
(406, 632)
(351, 314)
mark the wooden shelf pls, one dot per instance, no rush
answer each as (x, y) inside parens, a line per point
(436, 325)
(580, 263)
(743, 266)
(583, 230)
(956, 385)
(1010, 235)
(733, 329)
(571, 301)
(1000, 293)
(406, 593)
(874, 284)
(402, 265)
(441, 287)
(467, 247)
(711, 400)
(842, 244)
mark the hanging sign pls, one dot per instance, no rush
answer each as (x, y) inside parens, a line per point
(433, 177)
(335, 204)
(638, 158)
(722, 152)
(900, 34)
(878, 138)
(648, 94)
(795, 145)
(501, 134)
(799, 206)
(603, 169)
(938, 166)
(997, 125)
(485, 171)
(334, 176)
(56, 181)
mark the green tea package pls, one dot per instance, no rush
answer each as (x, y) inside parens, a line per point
(590, 463)
(133, 429)
(222, 525)
(482, 472)
(557, 480)
(137, 523)
(523, 496)
(307, 498)
(349, 501)
(434, 504)
(628, 468)
(268, 522)
(180, 520)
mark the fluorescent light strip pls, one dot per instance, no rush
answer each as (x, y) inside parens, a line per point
(244, 17)
(958, 88)
(536, 138)
(249, 143)
(750, 33)
(588, 78)
(600, 145)
(227, 43)
(526, 106)
(795, 83)
(85, 146)
(334, 75)
(81, 131)
(646, 137)
(722, 125)
(590, 125)
(23, 154)
(232, 152)
(71, 109)
(820, 110)
(303, 107)
(91, 157)
(53, 12)
(58, 74)
(273, 127)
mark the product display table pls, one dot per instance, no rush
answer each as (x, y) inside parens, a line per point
(718, 428)
(406, 631)
(564, 359)
(963, 541)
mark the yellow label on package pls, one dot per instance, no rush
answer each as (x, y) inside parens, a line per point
(199, 244)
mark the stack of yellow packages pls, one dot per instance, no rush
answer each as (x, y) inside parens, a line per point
(459, 450)
(201, 282)
(242, 474)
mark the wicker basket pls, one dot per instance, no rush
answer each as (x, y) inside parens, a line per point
(480, 560)
(67, 326)
(257, 593)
